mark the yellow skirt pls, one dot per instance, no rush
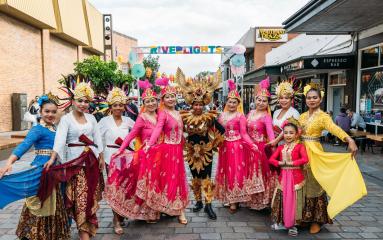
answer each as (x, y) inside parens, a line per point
(338, 174)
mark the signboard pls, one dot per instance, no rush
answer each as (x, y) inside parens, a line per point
(337, 62)
(330, 62)
(293, 66)
(270, 35)
(185, 50)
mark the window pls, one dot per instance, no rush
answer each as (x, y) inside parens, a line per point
(370, 57)
(371, 98)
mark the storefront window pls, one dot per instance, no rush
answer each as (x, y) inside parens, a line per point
(371, 99)
(370, 57)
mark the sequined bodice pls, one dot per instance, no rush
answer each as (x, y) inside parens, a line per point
(173, 129)
(312, 126)
(256, 128)
(231, 125)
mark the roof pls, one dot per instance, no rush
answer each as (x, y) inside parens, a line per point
(124, 35)
(335, 16)
(310, 45)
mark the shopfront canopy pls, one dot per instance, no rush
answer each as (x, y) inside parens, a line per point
(336, 17)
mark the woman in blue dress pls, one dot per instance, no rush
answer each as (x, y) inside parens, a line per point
(50, 220)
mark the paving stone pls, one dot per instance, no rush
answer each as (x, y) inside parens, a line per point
(210, 236)
(183, 237)
(224, 229)
(183, 230)
(371, 229)
(203, 230)
(350, 235)
(368, 235)
(233, 235)
(257, 235)
(244, 229)
(237, 224)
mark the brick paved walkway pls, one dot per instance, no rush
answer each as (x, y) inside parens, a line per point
(363, 220)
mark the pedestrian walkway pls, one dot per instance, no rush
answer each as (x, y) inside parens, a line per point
(363, 220)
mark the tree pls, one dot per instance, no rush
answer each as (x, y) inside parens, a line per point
(102, 73)
(152, 63)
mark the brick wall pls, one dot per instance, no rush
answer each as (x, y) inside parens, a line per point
(20, 64)
(31, 61)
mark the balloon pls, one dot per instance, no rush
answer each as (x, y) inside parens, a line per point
(237, 71)
(148, 72)
(138, 70)
(158, 74)
(171, 77)
(238, 49)
(132, 57)
(140, 55)
(238, 60)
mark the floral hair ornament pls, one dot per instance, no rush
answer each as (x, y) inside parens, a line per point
(315, 86)
(163, 82)
(48, 97)
(148, 92)
(295, 122)
(284, 88)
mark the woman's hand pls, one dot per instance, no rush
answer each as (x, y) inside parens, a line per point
(5, 169)
(352, 146)
(116, 154)
(255, 147)
(48, 164)
(101, 162)
(273, 143)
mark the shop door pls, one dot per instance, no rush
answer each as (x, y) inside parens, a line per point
(337, 94)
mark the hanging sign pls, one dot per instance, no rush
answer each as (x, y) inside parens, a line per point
(185, 50)
(270, 35)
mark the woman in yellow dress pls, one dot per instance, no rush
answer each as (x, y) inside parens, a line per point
(334, 174)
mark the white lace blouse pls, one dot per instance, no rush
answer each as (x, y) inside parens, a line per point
(110, 132)
(69, 131)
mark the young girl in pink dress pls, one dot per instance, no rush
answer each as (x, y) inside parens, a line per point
(167, 186)
(126, 188)
(260, 129)
(232, 182)
(288, 201)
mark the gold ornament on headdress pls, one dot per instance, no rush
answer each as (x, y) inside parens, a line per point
(294, 121)
(198, 90)
(53, 98)
(83, 89)
(116, 95)
(284, 88)
(312, 85)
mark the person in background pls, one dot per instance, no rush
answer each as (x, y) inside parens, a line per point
(131, 109)
(357, 121)
(343, 121)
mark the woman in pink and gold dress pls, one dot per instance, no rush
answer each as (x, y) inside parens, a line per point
(167, 184)
(232, 183)
(126, 188)
(260, 129)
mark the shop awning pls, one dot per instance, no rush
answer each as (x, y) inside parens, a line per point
(255, 76)
(336, 16)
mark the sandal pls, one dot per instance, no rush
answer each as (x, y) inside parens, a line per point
(233, 208)
(293, 232)
(182, 219)
(117, 228)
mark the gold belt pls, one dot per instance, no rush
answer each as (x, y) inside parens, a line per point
(290, 167)
(44, 152)
(311, 139)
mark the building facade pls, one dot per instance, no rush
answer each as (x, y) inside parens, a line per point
(40, 41)
(363, 21)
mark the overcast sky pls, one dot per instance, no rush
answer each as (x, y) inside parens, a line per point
(193, 22)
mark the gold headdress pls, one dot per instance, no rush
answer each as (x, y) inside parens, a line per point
(83, 89)
(312, 85)
(116, 95)
(284, 88)
(198, 90)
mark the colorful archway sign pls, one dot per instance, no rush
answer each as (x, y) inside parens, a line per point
(186, 50)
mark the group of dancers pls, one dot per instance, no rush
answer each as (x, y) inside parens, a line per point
(264, 162)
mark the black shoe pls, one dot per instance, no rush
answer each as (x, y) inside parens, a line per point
(198, 206)
(210, 212)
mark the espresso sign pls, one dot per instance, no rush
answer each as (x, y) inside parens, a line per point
(331, 62)
(270, 35)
